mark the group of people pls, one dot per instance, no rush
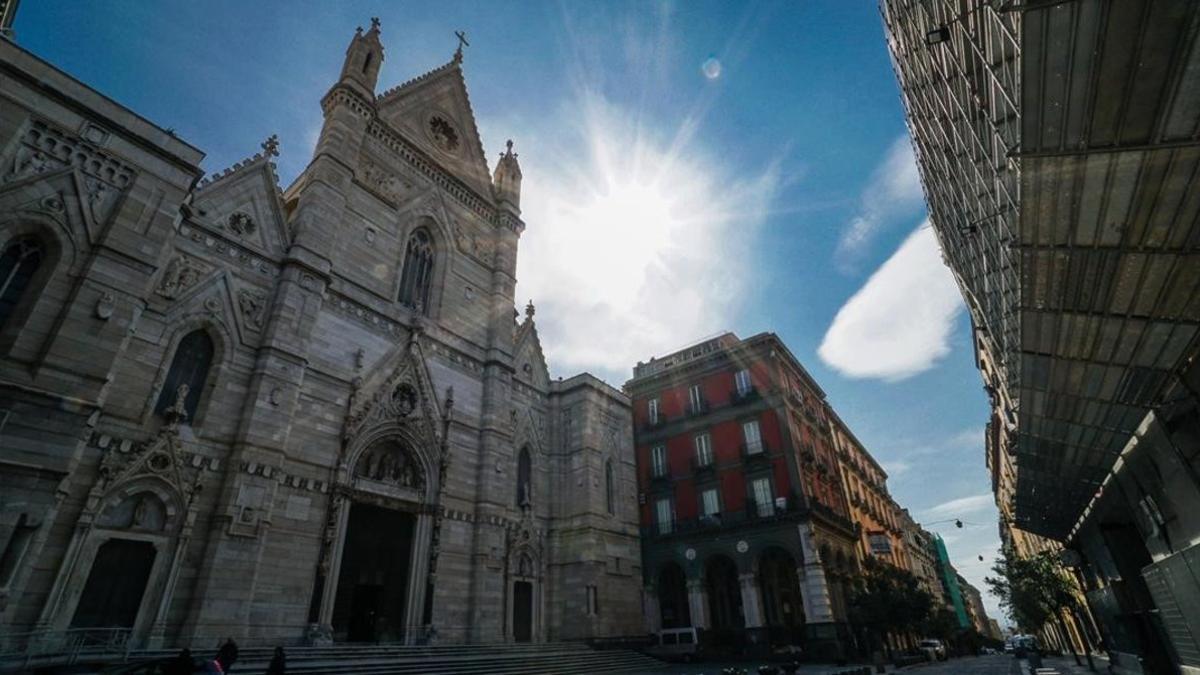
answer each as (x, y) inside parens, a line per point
(227, 655)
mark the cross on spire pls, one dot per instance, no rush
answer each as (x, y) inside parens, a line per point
(462, 42)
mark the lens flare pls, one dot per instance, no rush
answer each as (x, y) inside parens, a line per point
(711, 68)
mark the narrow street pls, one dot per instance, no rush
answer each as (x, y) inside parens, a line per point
(999, 664)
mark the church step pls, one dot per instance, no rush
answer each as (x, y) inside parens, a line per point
(593, 663)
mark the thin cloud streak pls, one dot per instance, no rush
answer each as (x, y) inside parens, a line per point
(892, 195)
(961, 506)
(899, 323)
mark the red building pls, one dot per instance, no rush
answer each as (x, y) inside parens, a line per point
(745, 528)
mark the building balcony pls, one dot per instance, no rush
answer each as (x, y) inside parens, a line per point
(697, 409)
(703, 468)
(782, 509)
(755, 452)
(748, 396)
(660, 478)
(657, 422)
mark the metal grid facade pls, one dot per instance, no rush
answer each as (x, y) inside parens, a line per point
(1057, 142)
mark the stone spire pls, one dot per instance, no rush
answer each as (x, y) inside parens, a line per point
(364, 56)
(507, 179)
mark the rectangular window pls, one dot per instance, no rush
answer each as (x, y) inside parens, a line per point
(665, 515)
(593, 600)
(764, 503)
(652, 410)
(704, 456)
(880, 544)
(709, 503)
(658, 460)
(752, 436)
(14, 550)
(695, 399)
(742, 380)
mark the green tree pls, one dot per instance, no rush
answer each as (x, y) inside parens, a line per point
(884, 599)
(1034, 591)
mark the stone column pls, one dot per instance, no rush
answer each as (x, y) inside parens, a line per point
(751, 604)
(818, 607)
(698, 603)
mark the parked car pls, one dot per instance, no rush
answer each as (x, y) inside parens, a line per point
(676, 644)
(934, 649)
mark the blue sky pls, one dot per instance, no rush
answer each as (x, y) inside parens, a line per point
(664, 201)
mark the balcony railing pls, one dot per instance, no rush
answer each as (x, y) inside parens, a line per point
(702, 467)
(655, 422)
(660, 477)
(777, 510)
(754, 452)
(738, 396)
(697, 408)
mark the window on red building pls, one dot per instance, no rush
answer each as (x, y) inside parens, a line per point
(652, 410)
(704, 455)
(664, 515)
(658, 460)
(742, 381)
(752, 436)
(695, 400)
(710, 504)
(764, 501)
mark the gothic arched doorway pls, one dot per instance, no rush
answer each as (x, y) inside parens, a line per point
(115, 585)
(672, 597)
(724, 596)
(381, 558)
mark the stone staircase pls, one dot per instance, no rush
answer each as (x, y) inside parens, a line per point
(555, 658)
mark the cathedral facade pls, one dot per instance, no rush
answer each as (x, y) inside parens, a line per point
(312, 413)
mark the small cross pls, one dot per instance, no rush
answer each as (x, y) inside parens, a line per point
(462, 41)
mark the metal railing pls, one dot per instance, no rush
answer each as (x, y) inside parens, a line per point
(64, 646)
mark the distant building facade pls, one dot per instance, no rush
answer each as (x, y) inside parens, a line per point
(922, 559)
(871, 505)
(745, 528)
(232, 409)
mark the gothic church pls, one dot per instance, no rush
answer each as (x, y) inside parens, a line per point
(309, 413)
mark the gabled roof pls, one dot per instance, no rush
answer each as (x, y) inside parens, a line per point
(441, 92)
(528, 350)
(251, 188)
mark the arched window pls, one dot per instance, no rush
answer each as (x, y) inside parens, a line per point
(417, 272)
(190, 366)
(524, 498)
(608, 487)
(19, 261)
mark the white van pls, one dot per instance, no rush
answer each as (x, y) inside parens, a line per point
(682, 644)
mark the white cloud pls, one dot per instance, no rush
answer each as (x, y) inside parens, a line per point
(892, 194)
(636, 241)
(899, 323)
(896, 467)
(963, 505)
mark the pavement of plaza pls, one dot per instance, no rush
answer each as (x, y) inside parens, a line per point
(999, 664)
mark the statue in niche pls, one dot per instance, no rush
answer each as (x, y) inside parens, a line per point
(390, 463)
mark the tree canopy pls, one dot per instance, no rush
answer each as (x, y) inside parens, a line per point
(1032, 590)
(887, 599)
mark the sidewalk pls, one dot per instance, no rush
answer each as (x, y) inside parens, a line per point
(1065, 665)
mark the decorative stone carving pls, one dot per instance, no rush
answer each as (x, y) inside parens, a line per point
(142, 511)
(384, 182)
(480, 248)
(391, 462)
(104, 307)
(182, 273)
(253, 304)
(443, 133)
(240, 223)
(44, 148)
